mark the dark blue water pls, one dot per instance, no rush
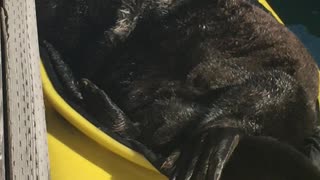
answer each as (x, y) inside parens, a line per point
(311, 41)
(303, 18)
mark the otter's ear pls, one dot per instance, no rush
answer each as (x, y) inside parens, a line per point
(206, 155)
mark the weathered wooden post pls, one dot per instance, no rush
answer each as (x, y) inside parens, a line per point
(24, 116)
(2, 151)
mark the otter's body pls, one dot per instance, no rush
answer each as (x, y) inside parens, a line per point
(193, 83)
(183, 64)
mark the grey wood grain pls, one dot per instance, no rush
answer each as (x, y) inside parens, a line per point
(25, 117)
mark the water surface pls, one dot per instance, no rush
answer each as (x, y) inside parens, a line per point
(303, 18)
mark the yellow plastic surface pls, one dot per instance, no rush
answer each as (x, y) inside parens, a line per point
(75, 156)
(268, 7)
(80, 151)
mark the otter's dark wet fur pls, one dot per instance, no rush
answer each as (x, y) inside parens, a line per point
(202, 84)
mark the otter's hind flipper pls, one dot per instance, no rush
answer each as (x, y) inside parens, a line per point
(99, 104)
(207, 154)
(112, 117)
(63, 71)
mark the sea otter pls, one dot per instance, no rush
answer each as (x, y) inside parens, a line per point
(203, 88)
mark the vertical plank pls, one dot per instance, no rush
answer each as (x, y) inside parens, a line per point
(26, 131)
(2, 152)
